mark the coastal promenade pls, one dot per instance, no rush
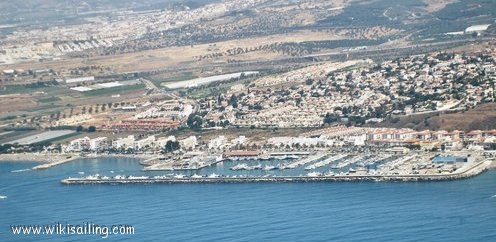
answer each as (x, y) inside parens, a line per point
(470, 171)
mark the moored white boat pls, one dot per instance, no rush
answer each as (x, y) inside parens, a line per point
(269, 168)
(213, 175)
(314, 174)
(257, 167)
(94, 177)
(242, 166)
(137, 177)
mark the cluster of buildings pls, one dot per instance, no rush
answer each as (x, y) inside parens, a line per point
(400, 140)
(152, 143)
(309, 72)
(341, 136)
(130, 142)
(172, 109)
(417, 84)
(221, 143)
(73, 46)
(158, 116)
(105, 31)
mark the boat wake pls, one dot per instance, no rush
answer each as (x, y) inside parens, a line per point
(22, 170)
(494, 196)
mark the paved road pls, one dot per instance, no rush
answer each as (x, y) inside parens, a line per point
(149, 84)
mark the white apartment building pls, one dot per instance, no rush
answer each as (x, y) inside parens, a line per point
(99, 143)
(125, 143)
(188, 143)
(146, 142)
(79, 144)
(217, 143)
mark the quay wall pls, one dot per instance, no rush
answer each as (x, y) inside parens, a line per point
(493, 165)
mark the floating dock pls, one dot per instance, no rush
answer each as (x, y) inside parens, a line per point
(210, 161)
(304, 161)
(325, 162)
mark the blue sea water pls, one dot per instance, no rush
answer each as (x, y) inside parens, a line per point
(462, 210)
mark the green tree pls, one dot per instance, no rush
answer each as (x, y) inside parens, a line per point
(171, 146)
(194, 121)
(233, 101)
(328, 119)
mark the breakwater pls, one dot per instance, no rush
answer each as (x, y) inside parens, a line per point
(55, 163)
(471, 171)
